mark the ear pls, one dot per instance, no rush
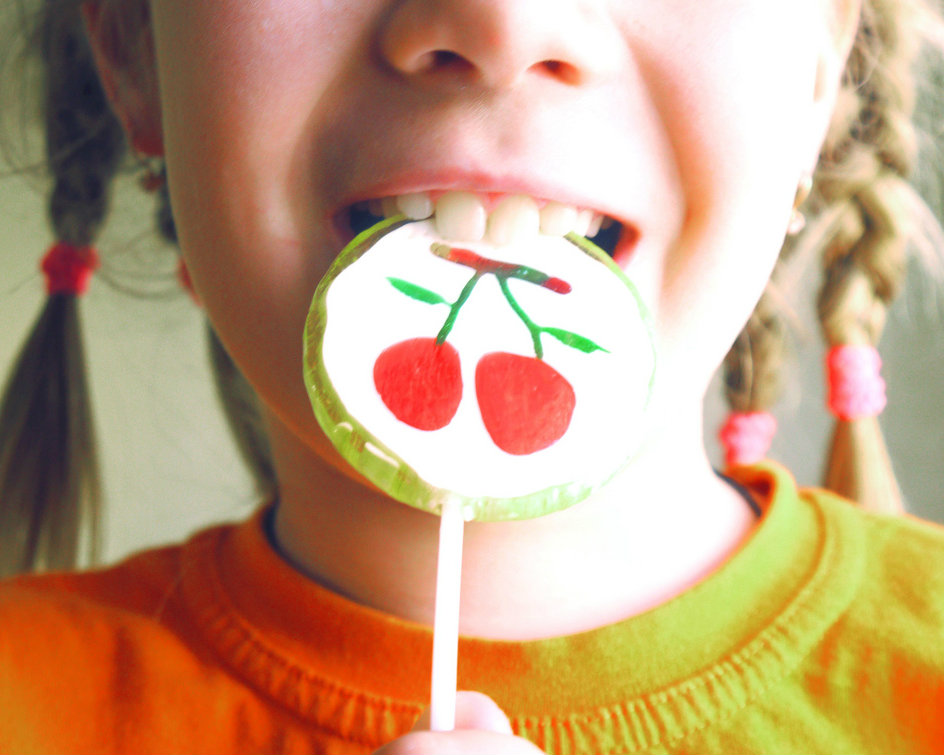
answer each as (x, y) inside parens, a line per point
(842, 30)
(119, 35)
(842, 25)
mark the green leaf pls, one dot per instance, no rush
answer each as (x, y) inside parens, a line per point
(417, 292)
(573, 340)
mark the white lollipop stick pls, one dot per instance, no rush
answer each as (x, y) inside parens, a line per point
(442, 704)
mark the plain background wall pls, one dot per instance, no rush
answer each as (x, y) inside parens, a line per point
(169, 466)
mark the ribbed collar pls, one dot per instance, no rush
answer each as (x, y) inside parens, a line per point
(644, 682)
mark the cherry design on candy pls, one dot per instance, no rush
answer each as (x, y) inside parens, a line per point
(420, 382)
(526, 405)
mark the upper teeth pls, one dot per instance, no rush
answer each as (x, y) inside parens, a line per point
(463, 216)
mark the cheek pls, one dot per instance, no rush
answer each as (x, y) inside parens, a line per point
(240, 82)
(232, 136)
(736, 96)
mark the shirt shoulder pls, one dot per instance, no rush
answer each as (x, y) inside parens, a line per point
(902, 586)
(884, 657)
(96, 661)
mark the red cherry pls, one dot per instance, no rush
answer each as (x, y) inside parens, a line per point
(420, 382)
(526, 404)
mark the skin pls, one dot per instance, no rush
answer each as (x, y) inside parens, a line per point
(691, 119)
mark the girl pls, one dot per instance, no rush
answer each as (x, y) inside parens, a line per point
(675, 610)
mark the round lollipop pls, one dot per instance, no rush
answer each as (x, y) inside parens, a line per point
(477, 381)
(507, 378)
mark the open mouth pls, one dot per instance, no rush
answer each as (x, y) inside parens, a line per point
(496, 219)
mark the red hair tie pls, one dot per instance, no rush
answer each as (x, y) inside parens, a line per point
(68, 269)
(746, 437)
(856, 388)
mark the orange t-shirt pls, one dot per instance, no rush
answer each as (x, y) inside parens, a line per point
(823, 633)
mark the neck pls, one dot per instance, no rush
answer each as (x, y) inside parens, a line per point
(657, 529)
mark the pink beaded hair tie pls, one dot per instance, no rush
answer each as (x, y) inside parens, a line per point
(856, 387)
(746, 437)
(68, 269)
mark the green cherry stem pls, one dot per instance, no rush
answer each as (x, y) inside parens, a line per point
(533, 329)
(456, 306)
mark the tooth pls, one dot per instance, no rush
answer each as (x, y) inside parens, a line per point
(582, 224)
(389, 206)
(415, 206)
(512, 219)
(595, 222)
(607, 222)
(460, 216)
(558, 219)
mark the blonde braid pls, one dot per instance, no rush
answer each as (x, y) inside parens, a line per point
(752, 366)
(862, 182)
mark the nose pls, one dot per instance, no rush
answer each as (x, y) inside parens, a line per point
(499, 43)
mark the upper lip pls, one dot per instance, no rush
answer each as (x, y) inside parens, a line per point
(507, 145)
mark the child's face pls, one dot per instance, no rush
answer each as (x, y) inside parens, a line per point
(691, 121)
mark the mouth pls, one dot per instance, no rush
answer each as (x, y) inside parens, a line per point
(498, 219)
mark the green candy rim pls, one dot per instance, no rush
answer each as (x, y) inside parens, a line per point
(382, 466)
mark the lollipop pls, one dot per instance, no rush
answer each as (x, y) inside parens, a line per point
(477, 381)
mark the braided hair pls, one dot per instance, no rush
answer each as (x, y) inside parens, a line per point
(50, 491)
(863, 207)
(49, 482)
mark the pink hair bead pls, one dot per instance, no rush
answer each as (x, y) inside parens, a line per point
(746, 437)
(68, 269)
(856, 387)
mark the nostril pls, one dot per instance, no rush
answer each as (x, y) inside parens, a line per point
(442, 61)
(449, 59)
(564, 72)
